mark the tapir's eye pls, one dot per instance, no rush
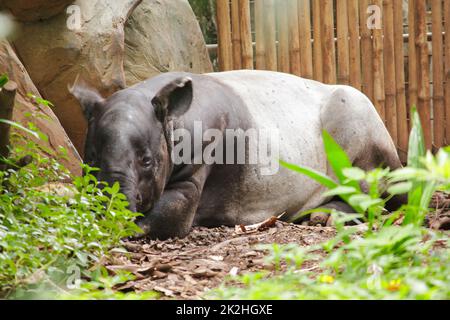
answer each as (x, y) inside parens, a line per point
(146, 161)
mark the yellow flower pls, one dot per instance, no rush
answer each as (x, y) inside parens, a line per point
(325, 278)
(394, 285)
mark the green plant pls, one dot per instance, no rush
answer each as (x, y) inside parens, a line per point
(3, 80)
(49, 226)
(388, 261)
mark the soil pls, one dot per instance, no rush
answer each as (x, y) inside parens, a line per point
(187, 268)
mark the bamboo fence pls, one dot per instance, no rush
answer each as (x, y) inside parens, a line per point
(396, 52)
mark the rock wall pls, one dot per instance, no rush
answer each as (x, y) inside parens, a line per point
(34, 10)
(118, 43)
(162, 36)
(26, 110)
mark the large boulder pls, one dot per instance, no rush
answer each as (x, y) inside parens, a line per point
(34, 10)
(118, 43)
(162, 36)
(26, 110)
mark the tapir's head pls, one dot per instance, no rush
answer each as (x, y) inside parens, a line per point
(128, 136)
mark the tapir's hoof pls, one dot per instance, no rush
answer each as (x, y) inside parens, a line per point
(320, 219)
(145, 228)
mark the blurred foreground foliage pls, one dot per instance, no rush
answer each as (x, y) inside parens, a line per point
(396, 257)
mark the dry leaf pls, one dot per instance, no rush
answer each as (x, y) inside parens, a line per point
(266, 224)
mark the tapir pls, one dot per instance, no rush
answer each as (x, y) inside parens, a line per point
(131, 139)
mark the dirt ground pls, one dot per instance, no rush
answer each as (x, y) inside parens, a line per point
(187, 268)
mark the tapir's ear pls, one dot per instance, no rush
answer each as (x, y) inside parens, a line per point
(174, 99)
(89, 99)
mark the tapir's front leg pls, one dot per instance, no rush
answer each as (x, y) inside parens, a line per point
(173, 214)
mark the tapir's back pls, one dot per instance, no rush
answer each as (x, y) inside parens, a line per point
(296, 111)
(287, 109)
(284, 104)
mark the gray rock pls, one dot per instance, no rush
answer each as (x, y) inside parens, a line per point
(34, 10)
(43, 117)
(119, 43)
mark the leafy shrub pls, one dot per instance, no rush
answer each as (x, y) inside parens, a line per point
(50, 230)
(396, 258)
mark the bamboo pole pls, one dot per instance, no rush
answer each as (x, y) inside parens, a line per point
(236, 35)
(343, 68)
(7, 98)
(438, 75)
(260, 35)
(318, 61)
(389, 69)
(294, 37)
(402, 113)
(413, 78)
(224, 35)
(328, 48)
(354, 44)
(424, 105)
(283, 37)
(270, 33)
(246, 34)
(447, 70)
(378, 68)
(366, 52)
(304, 14)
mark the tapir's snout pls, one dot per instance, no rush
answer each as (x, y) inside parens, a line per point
(127, 187)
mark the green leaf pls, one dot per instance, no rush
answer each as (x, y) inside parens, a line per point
(19, 126)
(341, 190)
(115, 188)
(313, 174)
(356, 200)
(400, 188)
(366, 204)
(338, 159)
(355, 174)
(3, 80)
(416, 149)
(40, 101)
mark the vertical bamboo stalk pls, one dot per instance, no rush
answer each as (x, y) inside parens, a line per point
(259, 35)
(447, 70)
(424, 106)
(270, 34)
(304, 14)
(354, 44)
(402, 114)
(438, 75)
(318, 61)
(413, 78)
(236, 35)
(389, 69)
(224, 35)
(294, 44)
(342, 42)
(378, 68)
(328, 48)
(246, 34)
(366, 51)
(283, 37)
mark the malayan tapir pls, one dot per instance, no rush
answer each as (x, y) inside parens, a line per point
(131, 139)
